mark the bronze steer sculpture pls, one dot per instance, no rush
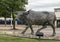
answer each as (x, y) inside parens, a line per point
(36, 18)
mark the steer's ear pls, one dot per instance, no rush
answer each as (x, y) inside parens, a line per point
(29, 11)
(26, 13)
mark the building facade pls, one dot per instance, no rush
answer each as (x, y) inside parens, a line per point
(57, 13)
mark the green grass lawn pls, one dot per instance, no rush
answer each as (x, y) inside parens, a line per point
(6, 38)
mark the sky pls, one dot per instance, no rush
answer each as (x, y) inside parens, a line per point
(43, 5)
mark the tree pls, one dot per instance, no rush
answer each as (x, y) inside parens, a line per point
(15, 5)
(3, 10)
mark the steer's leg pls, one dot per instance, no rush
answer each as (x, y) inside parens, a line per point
(25, 30)
(53, 27)
(44, 26)
(41, 29)
(32, 31)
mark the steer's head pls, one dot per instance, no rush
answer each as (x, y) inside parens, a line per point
(22, 16)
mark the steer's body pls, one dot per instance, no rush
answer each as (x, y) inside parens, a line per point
(36, 18)
(40, 17)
